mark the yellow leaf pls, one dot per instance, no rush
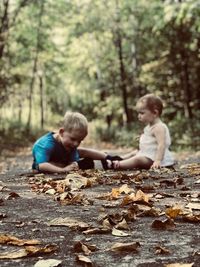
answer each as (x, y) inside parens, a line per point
(115, 193)
(173, 212)
(125, 189)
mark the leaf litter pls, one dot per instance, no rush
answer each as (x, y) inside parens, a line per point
(133, 199)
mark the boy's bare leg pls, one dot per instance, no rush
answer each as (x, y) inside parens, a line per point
(132, 163)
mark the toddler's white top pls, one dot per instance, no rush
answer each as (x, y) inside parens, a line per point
(148, 145)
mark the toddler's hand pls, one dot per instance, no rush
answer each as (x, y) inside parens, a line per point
(113, 164)
(156, 165)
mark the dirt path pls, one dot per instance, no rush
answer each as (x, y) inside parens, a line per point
(159, 239)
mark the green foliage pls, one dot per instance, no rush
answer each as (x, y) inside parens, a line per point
(98, 57)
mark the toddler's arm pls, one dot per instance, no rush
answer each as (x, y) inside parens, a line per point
(159, 132)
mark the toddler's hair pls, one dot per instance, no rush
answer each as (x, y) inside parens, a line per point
(75, 121)
(152, 102)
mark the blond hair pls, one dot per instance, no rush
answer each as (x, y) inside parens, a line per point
(152, 102)
(75, 121)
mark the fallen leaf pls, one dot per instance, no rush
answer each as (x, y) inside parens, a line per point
(96, 231)
(119, 247)
(191, 218)
(167, 224)
(50, 191)
(69, 222)
(138, 197)
(151, 212)
(84, 247)
(39, 250)
(125, 189)
(12, 195)
(117, 232)
(48, 263)
(28, 251)
(193, 206)
(84, 259)
(81, 247)
(122, 225)
(14, 254)
(173, 211)
(179, 265)
(161, 250)
(76, 181)
(12, 240)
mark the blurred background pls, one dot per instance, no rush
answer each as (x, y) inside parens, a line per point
(98, 57)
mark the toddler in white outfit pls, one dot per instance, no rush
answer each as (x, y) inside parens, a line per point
(154, 142)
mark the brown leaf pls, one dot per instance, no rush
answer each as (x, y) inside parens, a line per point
(28, 251)
(119, 247)
(122, 225)
(12, 240)
(83, 247)
(96, 231)
(192, 218)
(167, 224)
(161, 250)
(84, 259)
(39, 250)
(151, 212)
(139, 197)
(12, 195)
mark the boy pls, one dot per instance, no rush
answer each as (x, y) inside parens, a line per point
(59, 152)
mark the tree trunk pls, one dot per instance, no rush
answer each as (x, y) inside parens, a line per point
(122, 77)
(4, 27)
(34, 71)
(118, 44)
(41, 101)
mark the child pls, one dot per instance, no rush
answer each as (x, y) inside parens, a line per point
(58, 152)
(154, 142)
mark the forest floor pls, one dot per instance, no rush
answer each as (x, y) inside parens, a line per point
(100, 218)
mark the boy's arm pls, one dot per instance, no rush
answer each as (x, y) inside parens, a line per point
(129, 155)
(49, 167)
(159, 132)
(91, 153)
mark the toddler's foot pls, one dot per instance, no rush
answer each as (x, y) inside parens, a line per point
(110, 162)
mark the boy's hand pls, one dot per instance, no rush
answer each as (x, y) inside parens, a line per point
(71, 167)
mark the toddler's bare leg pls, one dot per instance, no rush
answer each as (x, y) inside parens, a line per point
(134, 162)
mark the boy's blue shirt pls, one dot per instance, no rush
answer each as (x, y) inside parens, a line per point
(47, 149)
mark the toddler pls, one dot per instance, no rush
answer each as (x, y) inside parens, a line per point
(154, 142)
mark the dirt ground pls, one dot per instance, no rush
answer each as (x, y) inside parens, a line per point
(160, 213)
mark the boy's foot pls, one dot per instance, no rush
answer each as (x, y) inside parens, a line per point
(86, 163)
